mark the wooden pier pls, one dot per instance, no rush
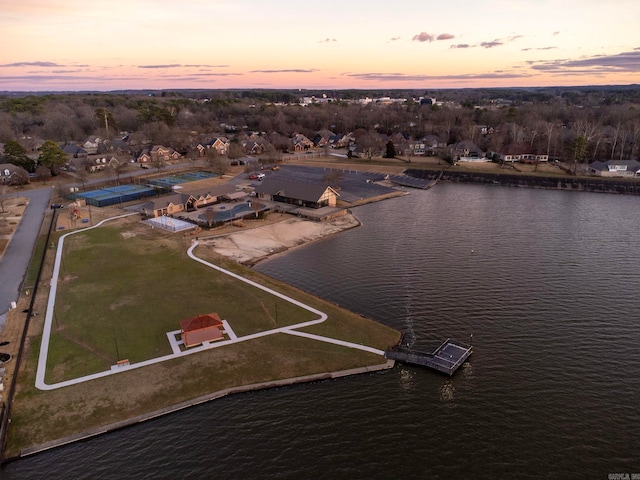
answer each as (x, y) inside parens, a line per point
(447, 358)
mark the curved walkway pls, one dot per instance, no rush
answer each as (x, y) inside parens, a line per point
(291, 329)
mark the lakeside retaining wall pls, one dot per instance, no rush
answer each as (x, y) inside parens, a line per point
(580, 184)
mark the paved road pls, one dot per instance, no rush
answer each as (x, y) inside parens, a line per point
(15, 261)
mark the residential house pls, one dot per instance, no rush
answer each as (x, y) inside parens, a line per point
(300, 143)
(466, 150)
(323, 138)
(310, 195)
(74, 151)
(252, 147)
(219, 144)
(525, 157)
(11, 174)
(422, 146)
(117, 146)
(158, 153)
(201, 329)
(91, 144)
(343, 140)
(615, 168)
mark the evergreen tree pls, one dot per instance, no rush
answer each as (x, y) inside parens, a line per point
(391, 150)
(16, 154)
(52, 156)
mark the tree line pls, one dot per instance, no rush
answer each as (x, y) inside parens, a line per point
(571, 124)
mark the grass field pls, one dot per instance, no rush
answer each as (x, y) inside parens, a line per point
(121, 288)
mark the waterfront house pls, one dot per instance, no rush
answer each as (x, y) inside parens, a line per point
(615, 168)
(522, 157)
(200, 329)
(310, 195)
(466, 150)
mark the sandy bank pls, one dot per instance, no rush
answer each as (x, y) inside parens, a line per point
(251, 246)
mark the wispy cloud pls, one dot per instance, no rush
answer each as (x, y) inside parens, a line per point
(423, 37)
(328, 40)
(179, 65)
(286, 70)
(621, 62)
(538, 48)
(427, 37)
(169, 65)
(401, 77)
(32, 64)
(491, 44)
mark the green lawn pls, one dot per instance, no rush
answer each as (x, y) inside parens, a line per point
(117, 297)
(122, 287)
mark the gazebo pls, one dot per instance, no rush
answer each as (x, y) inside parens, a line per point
(200, 329)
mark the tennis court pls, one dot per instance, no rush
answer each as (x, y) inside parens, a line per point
(113, 195)
(169, 182)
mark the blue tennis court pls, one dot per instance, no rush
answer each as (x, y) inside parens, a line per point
(113, 195)
(169, 182)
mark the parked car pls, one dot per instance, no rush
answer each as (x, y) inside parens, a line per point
(56, 205)
(275, 168)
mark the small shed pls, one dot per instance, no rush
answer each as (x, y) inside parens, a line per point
(200, 329)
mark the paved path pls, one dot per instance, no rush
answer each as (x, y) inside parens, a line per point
(15, 261)
(291, 329)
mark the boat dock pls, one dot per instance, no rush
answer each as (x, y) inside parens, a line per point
(447, 358)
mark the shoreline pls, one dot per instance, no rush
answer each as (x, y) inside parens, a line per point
(27, 452)
(251, 246)
(289, 232)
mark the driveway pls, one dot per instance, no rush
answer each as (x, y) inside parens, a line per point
(16, 258)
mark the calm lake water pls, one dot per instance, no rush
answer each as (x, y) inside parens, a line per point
(548, 284)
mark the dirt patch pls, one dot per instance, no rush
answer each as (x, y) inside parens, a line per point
(250, 246)
(13, 209)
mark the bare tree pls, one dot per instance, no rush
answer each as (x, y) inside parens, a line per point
(333, 178)
(635, 136)
(3, 197)
(209, 215)
(119, 168)
(548, 131)
(257, 206)
(43, 173)
(369, 142)
(158, 163)
(82, 174)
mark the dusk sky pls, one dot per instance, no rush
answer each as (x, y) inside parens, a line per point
(168, 44)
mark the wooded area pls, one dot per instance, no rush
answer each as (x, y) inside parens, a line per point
(578, 124)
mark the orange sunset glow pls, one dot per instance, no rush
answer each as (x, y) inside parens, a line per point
(68, 45)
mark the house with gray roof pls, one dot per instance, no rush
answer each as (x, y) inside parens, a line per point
(615, 168)
(11, 174)
(303, 194)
